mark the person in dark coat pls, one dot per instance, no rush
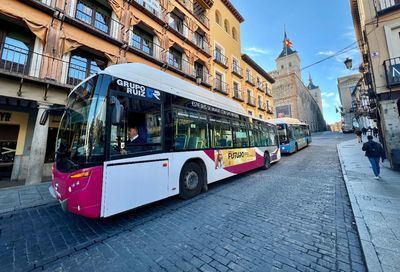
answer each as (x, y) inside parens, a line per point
(364, 131)
(375, 131)
(374, 152)
(134, 142)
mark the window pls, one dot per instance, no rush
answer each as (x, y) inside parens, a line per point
(94, 15)
(82, 65)
(140, 130)
(176, 22)
(218, 17)
(15, 52)
(240, 138)
(226, 26)
(175, 58)
(142, 41)
(248, 74)
(219, 81)
(234, 34)
(190, 130)
(220, 131)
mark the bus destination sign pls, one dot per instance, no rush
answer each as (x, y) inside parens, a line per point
(139, 90)
(212, 109)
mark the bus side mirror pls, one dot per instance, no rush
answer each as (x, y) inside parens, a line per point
(117, 111)
(44, 117)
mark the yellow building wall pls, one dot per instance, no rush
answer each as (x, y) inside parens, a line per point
(232, 49)
(20, 119)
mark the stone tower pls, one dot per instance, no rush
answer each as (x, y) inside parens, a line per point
(315, 92)
(288, 60)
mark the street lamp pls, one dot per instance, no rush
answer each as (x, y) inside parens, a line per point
(349, 63)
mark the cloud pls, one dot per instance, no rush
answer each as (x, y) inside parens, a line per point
(331, 94)
(325, 104)
(350, 34)
(326, 53)
(256, 51)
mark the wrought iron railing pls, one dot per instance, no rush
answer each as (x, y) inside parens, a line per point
(181, 65)
(221, 86)
(40, 66)
(237, 70)
(220, 58)
(250, 79)
(238, 94)
(251, 100)
(155, 11)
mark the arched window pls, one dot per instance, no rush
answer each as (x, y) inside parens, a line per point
(234, 33)
(218, 17)
(226, 26)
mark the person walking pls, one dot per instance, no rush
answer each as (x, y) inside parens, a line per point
(364, 131)
(369, 131)
(359, 135)
(374, 152)
(375, 131)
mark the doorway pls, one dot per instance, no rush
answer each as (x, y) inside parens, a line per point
(8, 146)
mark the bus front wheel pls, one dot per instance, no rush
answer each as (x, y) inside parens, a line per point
(191, 180)
(267, 161)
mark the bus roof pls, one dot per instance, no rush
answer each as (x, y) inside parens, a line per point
(287, 120)
(157, 79)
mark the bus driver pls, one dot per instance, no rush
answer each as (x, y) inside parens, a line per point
(133, 142)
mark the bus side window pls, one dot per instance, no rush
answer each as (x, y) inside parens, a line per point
(190, 130)
(221, 132)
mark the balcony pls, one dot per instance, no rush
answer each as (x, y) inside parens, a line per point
(392, 71)
(250, 79)
(203, 78)
(220, 58)
(190, 6)
(183, 66)
(221, 86)
(150, 9)
(270, 110)
(201, 42)
(268, 91)
(261, 106)
(260, 86)
(147, 49)
(26, 64)
(385, 6)
(236, 70)
(238, 94)
(251, 101)
(203, 19)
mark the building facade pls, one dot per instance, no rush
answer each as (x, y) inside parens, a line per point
(346, 86)
(316, 93)
(291, 97)
(49, 46)
(376, 26)
(235, 74)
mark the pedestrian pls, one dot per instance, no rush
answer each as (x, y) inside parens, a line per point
(364, 131)
(359, 135)
(369, 131)
(375, 131)
(374, 152)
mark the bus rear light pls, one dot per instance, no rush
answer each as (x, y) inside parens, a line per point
(83, 174)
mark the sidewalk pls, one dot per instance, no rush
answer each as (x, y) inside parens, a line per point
(21, 197)
(376, 207)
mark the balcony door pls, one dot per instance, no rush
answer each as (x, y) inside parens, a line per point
(142, 40)
(82, 65)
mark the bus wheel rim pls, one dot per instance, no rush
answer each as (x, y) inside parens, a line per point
(191, 180)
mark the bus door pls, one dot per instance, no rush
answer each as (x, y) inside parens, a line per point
(137, 172)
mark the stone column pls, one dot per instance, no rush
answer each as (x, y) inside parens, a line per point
(38, 148)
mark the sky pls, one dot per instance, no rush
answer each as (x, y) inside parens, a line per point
(316, 28)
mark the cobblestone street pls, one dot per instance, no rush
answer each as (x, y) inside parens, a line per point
(295, 216)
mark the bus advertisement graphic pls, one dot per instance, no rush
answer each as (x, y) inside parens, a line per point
(230, 157)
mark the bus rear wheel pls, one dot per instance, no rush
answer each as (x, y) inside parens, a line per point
(191, 180)
(267, 161)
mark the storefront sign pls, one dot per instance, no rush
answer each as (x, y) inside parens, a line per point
(5, 116)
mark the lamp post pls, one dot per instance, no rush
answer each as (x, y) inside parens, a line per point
(349, 63)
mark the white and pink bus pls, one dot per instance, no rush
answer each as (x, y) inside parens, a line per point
(131, 135)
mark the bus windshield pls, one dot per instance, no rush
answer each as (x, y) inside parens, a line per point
(81, 136)
(283, 133)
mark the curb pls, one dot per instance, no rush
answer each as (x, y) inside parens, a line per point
(368, 248)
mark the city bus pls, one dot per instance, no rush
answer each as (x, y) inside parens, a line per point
(293, 134)
(132, 135)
